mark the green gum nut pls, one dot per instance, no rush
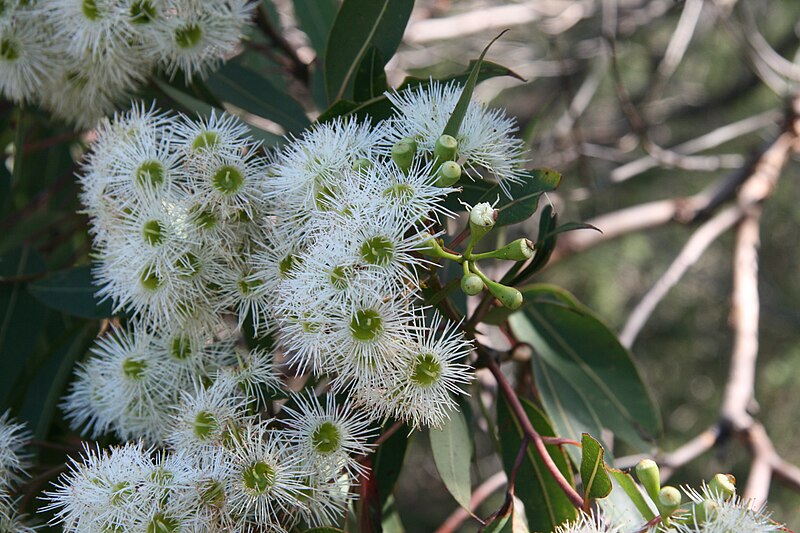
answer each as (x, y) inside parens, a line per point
(669, 499)
(519, 250)
(448, 174)
(649, 477)
(508, 296)
(445, 148)
(724, 485)
(403, 153)
(471, 284)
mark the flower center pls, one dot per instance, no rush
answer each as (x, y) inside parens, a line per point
(205, 424)
(153, 232)
(163, 524)
(9, 50)
(212, 493)
(90, 9)
(181, 348)
(188, 265)
(150, 280)
(134, 368)
(227, 179)
(427, 370)
(340, 277)
(206, 140)
(402, 192)
(259, 477)
(188, 36)
(366, 324)
(142, 12)
(326, 438)
(287, 264)
(150, 172)
(377, 250)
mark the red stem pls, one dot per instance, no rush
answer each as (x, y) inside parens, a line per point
(527, 427)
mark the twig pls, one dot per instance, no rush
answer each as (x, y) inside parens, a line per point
(527, 427)
(483, 491)
(691, 252)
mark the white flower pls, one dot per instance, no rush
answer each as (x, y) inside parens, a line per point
(724, 515)
(267, 481)
(589, 523)
(219, 132)
(486, 138)
(101, 490)
(25, 57)
(254, 375)
(205, 416)
(432, 372)
(200, 34)
(13, 459)
(329, 436)
(309, 169)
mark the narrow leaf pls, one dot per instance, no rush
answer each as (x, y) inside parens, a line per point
(546, 505)
(624, 494)
(570, 226)
(452, 452)
(596, 483)
(248, 90)
(389, 461)
(360, 24)
(71, 291)
(316, 19)
(370, 79)
(454, 123)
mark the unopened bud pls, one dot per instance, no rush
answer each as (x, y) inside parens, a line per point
(448, 174)
(471, 284)
(724, 485)
(483, 215)
(508, 296)
(519, 250)
(445, 148)
(649, 477)
(403, 153)
(669, 499)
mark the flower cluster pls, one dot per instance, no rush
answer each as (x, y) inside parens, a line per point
(317, 247)
(79, 58)
(13, 462)
(226, 470)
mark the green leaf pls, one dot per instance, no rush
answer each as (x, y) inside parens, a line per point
(316, 20)
(588, 356)
(569, 226)
(626, 499)
(379, 108)
(370, 78)
(21, 263)
(487, 70)
(5, 187)
(71, 291)
(452, 452)
(194, 106)
(255, 94)
(389, 462)
(501, 521)
(596, 483)
(546, 505)
(360, 24)
(523, 200)
(457, 116)
(324, 530)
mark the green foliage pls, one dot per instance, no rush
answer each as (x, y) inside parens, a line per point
(452, 453)
(359, 25)
(596, 483)
(71, 291)
(605, 387)
(546, 505)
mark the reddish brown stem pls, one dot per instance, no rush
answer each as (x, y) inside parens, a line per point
(527, 427)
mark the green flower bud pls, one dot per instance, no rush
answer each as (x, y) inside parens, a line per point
(704, 511)
(724, 485)
(519, 250)
(649, 477)
(445, 148)
(508, 296)
(448, 174)
(669, 499)
(471, 284)
(403, 153)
